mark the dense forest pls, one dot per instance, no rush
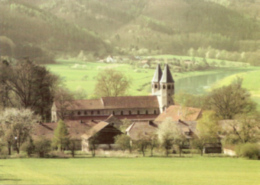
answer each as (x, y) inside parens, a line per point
(44, 29)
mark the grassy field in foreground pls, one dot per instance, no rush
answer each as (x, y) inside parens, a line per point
(129, 171)
(251, 81)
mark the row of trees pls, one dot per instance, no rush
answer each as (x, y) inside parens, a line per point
(17, 127)
(240, 119)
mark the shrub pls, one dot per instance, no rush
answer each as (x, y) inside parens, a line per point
(249, 150)
(42, 147)
(28, 147)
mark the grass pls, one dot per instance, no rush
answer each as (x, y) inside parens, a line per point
(128, 171)
(82, 75)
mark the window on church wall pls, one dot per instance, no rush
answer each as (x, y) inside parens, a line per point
(163, 86)
(85, 112)
(113, 112)
(92, 112)
(169, 87)
(154, 112)
(122, 113)
(130, 112)
(155, 86)
(138, 112)
(146, 112)
(79, 112)
(98, 112)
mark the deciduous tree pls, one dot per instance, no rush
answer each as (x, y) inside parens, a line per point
(61, 136)
(32, 86)
(16, 126)
(111, 83)
(230, 100)
(124, 142)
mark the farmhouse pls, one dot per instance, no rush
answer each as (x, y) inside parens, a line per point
(104, 134)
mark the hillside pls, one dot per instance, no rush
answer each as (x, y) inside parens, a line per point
(29, 31)
(204, 28)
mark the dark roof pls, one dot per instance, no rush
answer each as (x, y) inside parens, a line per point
(75, 128)
(114, 120)
(126, 102)
(167, 76)
(157, 74)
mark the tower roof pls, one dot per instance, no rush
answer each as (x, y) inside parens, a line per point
(167, 76)
(157, 74)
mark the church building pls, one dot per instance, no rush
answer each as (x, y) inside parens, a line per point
(123, 107)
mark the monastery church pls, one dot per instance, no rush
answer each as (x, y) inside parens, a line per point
(129, 107)
(106, 115)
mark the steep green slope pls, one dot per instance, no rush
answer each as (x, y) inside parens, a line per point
(34, 31)
(137, 27)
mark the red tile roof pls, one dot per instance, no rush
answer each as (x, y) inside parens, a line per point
(121, 102)
(85, 104)
(120, 117)
(141, 129)
(177, 112)
(126, 102)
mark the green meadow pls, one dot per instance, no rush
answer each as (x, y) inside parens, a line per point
(129, 171)
(82, 75)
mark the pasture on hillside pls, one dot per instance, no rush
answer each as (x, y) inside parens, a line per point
(129, 171)
(82, 75)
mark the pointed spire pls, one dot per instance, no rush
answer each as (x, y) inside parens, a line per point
(167, 76)
(157, 74)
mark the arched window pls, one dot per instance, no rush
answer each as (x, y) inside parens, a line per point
(163, 86)
(122, 113)
(79, 112)
(169, 87)
(130, 112)
(138, 112)
(155, 86)
(146, 112)
(98, 112)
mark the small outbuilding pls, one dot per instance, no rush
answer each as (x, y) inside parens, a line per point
(104, 134)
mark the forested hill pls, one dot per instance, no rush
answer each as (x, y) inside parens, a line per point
(28, 31)
(225, 29)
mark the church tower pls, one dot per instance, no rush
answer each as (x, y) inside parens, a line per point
(166, 89)
(156, 80)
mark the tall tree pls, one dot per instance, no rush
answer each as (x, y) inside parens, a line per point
(165, 135)
(16, 126)
(63, 99)
(32, 85)
(61, 136)
(4, 89)
(111, 83)
(244, 129)
(230, 100)
(170, 134)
